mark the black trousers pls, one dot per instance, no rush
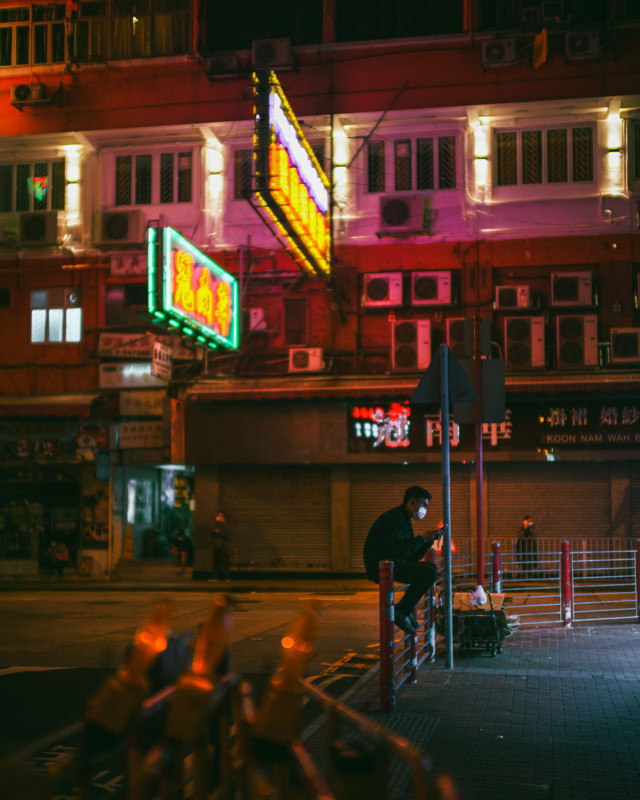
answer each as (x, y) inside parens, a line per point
(420, 577)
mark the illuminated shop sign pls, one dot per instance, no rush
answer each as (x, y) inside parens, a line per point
(291, 187)
(190, 293)
(382, 426)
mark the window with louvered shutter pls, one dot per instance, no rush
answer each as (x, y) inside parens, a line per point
(424, 163)
(166, 178)
(58, 184)
(184, 177)
(531, 157)
(506, 159)
(123, 181)
(447, 162)
(6, 187)
(557, 167)
(402, 153)
(376, 167)
(242, 174)
(582, 154)
(143, 179)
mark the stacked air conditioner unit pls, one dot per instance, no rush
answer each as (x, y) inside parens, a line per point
(124, 228)
(524, 346)
(625, 345)
(402, 214)
(382, 289)
(271, 53)
(581, 45)
(38, 229)
(306, 359)
(571, 289)
(513, 298)
(460, 336)
(430, 288)
(499, 53)
(577, 341)
(410, 344)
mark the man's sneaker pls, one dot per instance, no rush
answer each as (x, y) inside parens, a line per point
(403, 622)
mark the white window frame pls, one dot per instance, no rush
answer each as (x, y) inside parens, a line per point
(31, 24)
(109, 175)
(59, 303)
(390, 161)
(31, 162)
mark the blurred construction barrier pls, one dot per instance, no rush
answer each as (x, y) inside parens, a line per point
(183, 726)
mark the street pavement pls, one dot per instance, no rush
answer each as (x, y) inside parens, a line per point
(553, 717)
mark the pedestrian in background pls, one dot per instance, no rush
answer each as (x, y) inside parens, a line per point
(182, 550)
(391, 538)
(527, 548)
(220, 543)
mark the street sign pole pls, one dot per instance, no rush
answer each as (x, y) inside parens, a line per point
(446, 501)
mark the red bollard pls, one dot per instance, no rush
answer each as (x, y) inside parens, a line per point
(638, 576)
(496, 567)
(387, 655)
(565, 583)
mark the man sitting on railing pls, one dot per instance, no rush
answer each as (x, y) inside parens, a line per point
(391, 538)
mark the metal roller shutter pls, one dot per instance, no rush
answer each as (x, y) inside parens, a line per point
(279, 518)
(567, 500)
(635, 500)
(373, 490)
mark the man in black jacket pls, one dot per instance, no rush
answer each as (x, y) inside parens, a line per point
(391, 538)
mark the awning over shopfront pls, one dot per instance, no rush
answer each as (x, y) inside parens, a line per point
(350, 387)
(53, 405)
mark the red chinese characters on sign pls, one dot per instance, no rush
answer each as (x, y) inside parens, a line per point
(200, 295)
(389, 428)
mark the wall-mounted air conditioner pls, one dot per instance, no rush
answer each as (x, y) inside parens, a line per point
(120, 228)
(271, 53)
(571, 289)
(524, 343)
(257, 321)
(403, 213)
(552, 11)
(581, 45)
(38, 229)
(513, 297)
(499, 53)
(410, 344)
(625, 345)
(305, 359)
(530, 16)
(382, 289)
(577, 341)
(431, 288)
(29, 94)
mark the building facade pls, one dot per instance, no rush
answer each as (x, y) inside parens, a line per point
(485, 167)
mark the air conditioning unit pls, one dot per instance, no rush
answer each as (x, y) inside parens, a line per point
(552, 10)
(581, 45)
(410, 344)
(305, 359)
(257, 321)
(271, 53)
(499, 53)
(513, 297)
(625, 345)
(38, 229)
(571, 289)
(430, 288)
(530, 17)
(577, 341)
(524, 343)
(382, 289)
(457, 337)
(402, 214)
(120, 228)
(222, 66)
(29, 94)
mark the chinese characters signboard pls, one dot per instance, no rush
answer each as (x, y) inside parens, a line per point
(291, 187)
(389, 426)
(190, 292)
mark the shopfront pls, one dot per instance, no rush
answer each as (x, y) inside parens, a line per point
(301, 481)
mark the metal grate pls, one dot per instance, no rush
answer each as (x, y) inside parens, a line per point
(424, 163)
(57, 184)
(23, 173)
(184, 177)
(582, 140)
(242, 173)
(143, 179)
(507, 160)
(557, 170)
(447, 162)
(123, 180)
(375, 167)
(402, 152)
(166, 178)
(6, 187)
(532, 157)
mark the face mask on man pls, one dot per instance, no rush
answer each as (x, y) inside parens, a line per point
(420, 512)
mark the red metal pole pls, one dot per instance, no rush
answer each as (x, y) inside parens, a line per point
(496, 568)
(638, 577)
(565, 583)
(387, 656)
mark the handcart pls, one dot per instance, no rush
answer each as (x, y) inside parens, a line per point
(477, 626)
